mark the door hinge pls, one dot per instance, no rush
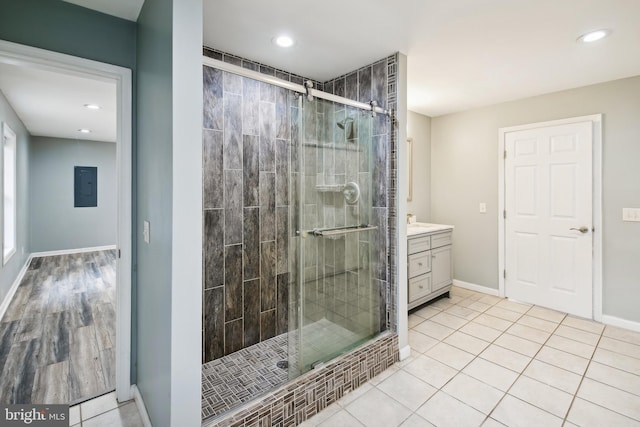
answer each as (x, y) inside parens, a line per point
(504, 214)
(504, 274)
(119, 254)
(505, 154)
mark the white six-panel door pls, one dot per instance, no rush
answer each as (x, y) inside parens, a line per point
(548, 225)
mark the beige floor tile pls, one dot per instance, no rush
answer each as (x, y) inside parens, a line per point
(612, 398)
(529, 333)
(490, 422)
(587, 414)
(463, 312)
(407, 389)
(506, 358)
(563, 360)
(421, 342)
(99, 405)
(426, 312)
(490, 299)
(493, 322)
(614, 377)
(466, 302)
(415, 320)
(448, 320)
(123, 416)
(477, 330)
(577, 335)
(434, 330)
(384, 374)
(553, 376)
(503, 313)
(353, 395)
(466, 342)
(542, 396)
(323, 415)
(617, 360)
(519, 345)
(622, 334)
(534, 322)
(450, 355)
(341, 418)
(442, 304)
(473, 392)
(490, 373)
(375, 408)
(456, 290)
(583, 324)
(514, 306)
(571, 346)
(514, 412)
(546, 314)
(444, 411)
(620, 347)
(416, 421)
(431, 371)
(74, 415)
(479, 306)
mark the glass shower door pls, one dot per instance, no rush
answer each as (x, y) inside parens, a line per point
(338, 302)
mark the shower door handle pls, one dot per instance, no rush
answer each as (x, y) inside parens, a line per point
(330, 232)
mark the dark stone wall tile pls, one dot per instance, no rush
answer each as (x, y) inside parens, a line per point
(283, 75)
(365, 143)
(339, 86)
(379, 83)
(212, 194)
(232, 82)
(309, 123)
(267, 206)
(267, 325)
(250, 107)
(267, 91)
(351, 86)
(282, 239)
(267, 136)
(213, 324)
(233, 207)
(251, 170)
(233, 336)
(380, 174)
(381, 125)
(232, 131)
(251, 247)
(233, 282)
(282, 308)
(212, 98)
(282, 172)
(268, 276)
(232, 59)
(213, 249)
(379, 248)
(250, 65)
(364, 85)
(383, 289)
(251, 312)
(212, 53)
(283, 125)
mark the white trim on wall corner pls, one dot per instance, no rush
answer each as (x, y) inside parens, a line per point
(72, 251)
(405, 352)
(14, 287)
(621, 323)
(476, 288)
(142, 409)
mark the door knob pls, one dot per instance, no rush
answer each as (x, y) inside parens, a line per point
(582, 229)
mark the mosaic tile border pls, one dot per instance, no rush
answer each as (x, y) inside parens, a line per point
(309, 394)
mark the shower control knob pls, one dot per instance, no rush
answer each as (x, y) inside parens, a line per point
(351, 193)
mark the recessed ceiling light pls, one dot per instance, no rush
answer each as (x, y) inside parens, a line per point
(92, 106)
(593, 36)
(84, 131)
(283, 41)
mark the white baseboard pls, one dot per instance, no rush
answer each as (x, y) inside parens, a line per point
(14, 287)
(621, 323)
(73, 251)
(142, 410)
(474, 287)
(405, 352)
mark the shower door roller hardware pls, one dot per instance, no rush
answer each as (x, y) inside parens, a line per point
(308, 86)
(351, 193)
(582, 229)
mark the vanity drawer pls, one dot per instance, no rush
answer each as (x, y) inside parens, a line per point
(442, 239)
(419, 244)
(419, 263)
(419, 287)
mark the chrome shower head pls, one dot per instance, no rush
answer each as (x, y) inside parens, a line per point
(345, 123)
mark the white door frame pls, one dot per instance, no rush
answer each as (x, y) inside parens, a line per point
(39, 58)
(596, 120)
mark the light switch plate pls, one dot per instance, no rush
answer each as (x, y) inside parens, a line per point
(631, 214)
(146, 233)
(483, 207)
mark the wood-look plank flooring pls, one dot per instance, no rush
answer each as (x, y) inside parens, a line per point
(57, 338)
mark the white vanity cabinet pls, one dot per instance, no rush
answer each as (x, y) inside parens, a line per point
(430, 267)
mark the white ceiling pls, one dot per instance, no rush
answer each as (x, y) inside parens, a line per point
(125, 9)
(52, 104)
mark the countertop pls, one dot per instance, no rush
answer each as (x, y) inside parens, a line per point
(419, 228)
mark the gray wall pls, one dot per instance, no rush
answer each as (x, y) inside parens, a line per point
(419, 128)
(9, 272)
(54, 223)
(465, 172)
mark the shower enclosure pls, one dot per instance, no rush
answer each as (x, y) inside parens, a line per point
(295, 234)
